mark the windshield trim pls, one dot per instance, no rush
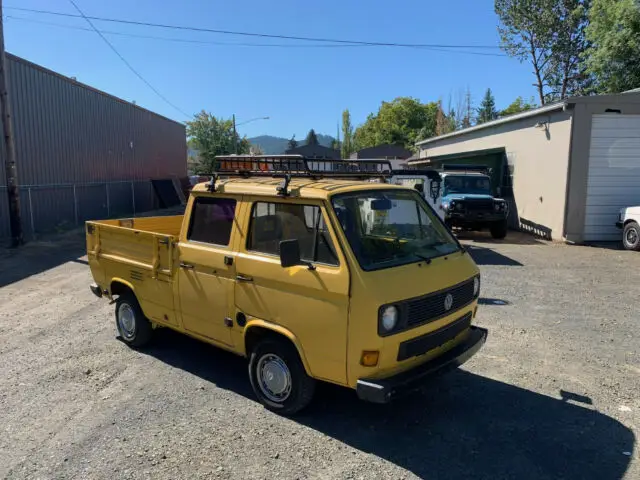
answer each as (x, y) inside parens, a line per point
(382, 265)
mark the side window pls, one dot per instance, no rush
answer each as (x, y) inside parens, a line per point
(211, 220)
(273, 222)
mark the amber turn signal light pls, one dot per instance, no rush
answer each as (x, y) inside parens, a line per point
(369, 358)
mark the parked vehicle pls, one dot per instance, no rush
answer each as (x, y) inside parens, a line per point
(629, 223)
(293, 274)
(462, 197)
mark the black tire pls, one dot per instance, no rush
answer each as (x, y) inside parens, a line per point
(301, 386)
(499, 230)
(139, 333)
(631, 236)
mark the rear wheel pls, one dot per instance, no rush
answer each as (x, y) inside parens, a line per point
(278, 377)
(631, 236)
(499, 230)
(134, 328)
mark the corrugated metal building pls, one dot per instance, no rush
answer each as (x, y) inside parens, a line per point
(81, 153)
(566, 168)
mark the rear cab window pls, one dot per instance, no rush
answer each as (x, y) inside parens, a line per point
(212, 220)
(272, 222)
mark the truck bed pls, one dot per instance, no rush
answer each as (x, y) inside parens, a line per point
(145, 243)
(139, 253)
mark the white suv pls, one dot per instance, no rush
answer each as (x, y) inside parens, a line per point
(629, 222)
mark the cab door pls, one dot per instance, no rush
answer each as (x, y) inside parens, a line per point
(207, 271)
(311, 304)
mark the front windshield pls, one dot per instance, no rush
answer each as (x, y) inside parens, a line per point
(472, 184)
(387, 228)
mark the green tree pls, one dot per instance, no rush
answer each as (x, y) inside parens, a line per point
(487, 110)
(312, 138)
(347, 135)
(213, 136)
(550, 34)
(517, 106)
(613, 58)
(403, 121)
(293, 143)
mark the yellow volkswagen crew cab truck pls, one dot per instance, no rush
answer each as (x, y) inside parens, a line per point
(313, 277)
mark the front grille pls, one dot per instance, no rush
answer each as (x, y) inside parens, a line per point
(479, 205)
(420, 345)
(432, 307)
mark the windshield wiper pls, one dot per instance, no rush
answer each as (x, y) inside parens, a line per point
(423, 257)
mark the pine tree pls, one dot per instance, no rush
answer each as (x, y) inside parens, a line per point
(312, 138)
(487, 110)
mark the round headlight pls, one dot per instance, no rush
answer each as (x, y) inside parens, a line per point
(476, 286)
(389, 318)
(496, 207)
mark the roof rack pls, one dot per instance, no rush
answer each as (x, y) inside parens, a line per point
(467, 168)
(299, 166)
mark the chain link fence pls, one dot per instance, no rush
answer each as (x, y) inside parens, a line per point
(58, 207)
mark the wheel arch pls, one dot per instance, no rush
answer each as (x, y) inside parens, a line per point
(118, 286)
(257, 330)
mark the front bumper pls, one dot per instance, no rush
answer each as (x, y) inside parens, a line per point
(475, 217)
(385, 389)
(619, 224)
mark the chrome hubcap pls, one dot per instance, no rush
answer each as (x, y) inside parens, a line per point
(274, 378)
(632, 236)
(127, 320)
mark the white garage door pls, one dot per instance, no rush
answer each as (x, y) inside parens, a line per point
(614, 173)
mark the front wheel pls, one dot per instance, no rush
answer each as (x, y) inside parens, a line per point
(134, 328)
(278, 377)
(499, 230)
(631, 236)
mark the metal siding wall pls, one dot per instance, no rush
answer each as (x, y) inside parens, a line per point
(67, 133)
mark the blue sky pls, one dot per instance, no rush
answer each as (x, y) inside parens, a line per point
(299, 87)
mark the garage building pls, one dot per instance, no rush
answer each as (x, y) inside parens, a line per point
(566, 168)
(81, 153)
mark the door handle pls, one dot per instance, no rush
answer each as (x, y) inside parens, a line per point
(243, 278)
(188, 266)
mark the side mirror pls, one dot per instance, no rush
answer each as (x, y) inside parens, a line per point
(290, 253)
(499, 191)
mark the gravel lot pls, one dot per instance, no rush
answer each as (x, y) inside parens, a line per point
(554, 393)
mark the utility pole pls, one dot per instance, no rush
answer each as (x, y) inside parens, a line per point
(11, 172)
(235, 135)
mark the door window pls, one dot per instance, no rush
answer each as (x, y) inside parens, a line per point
(211, 220)
(273, 222)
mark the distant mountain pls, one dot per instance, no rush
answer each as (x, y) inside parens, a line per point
(271, 145)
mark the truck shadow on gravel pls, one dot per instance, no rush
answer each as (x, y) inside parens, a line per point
(487, 256)
(462, 426)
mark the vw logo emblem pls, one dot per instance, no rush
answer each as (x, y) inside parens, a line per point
(448, 302)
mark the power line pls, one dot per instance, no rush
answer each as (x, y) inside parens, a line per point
(127, 63)
(253, 34)
(182, 40)
(237, 44)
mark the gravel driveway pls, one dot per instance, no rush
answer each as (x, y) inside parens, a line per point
(554, 393)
